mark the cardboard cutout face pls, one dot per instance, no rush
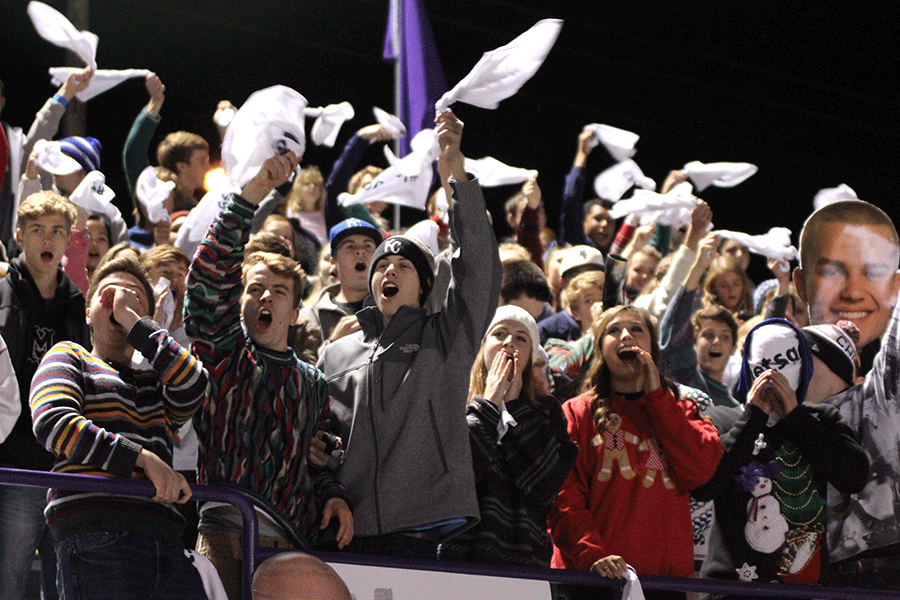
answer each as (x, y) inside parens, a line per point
(852, 274)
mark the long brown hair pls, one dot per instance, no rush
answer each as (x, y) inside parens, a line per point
(599, 378)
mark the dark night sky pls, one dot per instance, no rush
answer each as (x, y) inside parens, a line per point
(807, 91)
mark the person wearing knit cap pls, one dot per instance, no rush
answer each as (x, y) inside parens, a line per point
(517, 433)
(834, 353)
(398, 385)
(353, 241)
(781, 453)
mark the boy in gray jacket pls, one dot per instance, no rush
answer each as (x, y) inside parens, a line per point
(398, 387)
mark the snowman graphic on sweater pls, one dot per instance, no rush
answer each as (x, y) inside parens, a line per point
(766, 527)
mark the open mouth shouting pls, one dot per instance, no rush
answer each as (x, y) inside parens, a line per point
(264, 319)
(360, 267)
(47, 256)
(627, 353)
(389, 290)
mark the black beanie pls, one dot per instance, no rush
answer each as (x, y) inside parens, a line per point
(415, 252)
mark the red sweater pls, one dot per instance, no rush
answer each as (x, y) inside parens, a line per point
(616, 499)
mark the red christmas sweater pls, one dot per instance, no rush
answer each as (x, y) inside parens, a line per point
(628, 492)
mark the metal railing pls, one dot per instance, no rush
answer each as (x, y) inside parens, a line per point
(253, 554)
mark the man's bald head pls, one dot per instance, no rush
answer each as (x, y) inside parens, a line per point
(297, 576)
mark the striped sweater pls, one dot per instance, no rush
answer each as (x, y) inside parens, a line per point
(264, 406)
(517, 478)
(95, 417)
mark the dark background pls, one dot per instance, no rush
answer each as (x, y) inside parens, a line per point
(806, 91)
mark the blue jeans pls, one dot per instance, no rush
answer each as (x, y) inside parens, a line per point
(22, 531)
(123, 566)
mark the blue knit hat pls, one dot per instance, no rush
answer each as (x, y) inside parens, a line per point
(84, 151)
(349, 227)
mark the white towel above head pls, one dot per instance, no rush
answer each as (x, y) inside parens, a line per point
(392, 123)
(197, 223)
(775, 243)
(152, 192)
(500, 73)
(101, 81)
(393, 187)
(328, 123)
(93, 195)
(491, 172)
(612, 183)
(50, 158)
(271, 121)
(54, 27)
(618, 142)
(831, 195)
(719, 174)
(424, 150)
(645, 202)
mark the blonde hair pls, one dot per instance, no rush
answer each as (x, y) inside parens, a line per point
(579, 285)
(356, 181)
(720, 266)
(43, 203)
(478, 379)
(310, 174)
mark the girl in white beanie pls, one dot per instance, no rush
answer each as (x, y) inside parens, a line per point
(521, 452)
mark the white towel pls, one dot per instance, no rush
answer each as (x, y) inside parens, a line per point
(152, 193)
(101, 81)
(500, 73)
(491, 172)
(54, 27)
(618, 142)
(720, 174)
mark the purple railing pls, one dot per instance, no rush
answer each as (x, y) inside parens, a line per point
(253, 555)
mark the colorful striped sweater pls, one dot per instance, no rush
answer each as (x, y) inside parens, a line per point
(264, 406)
(96, 416)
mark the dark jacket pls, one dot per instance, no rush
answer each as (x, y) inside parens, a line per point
(30, 326)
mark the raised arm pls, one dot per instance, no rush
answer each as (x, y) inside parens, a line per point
(212, 311)
(571, 213)
(344, 168)
(137, 144)
(475, 266)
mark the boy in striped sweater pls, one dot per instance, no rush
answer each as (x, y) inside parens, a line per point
(265, 405)
(101, 417)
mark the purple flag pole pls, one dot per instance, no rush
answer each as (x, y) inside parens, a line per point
(418, 76)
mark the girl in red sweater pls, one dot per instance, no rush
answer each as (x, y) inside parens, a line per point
(642, 447)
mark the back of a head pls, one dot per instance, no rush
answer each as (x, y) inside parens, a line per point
(297, 576)
(524, 277)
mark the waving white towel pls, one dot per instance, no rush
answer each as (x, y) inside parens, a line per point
(500, 73)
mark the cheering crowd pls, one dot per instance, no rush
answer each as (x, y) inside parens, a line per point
(605, 392)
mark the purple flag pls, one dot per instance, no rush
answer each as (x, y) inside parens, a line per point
(422, 77)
